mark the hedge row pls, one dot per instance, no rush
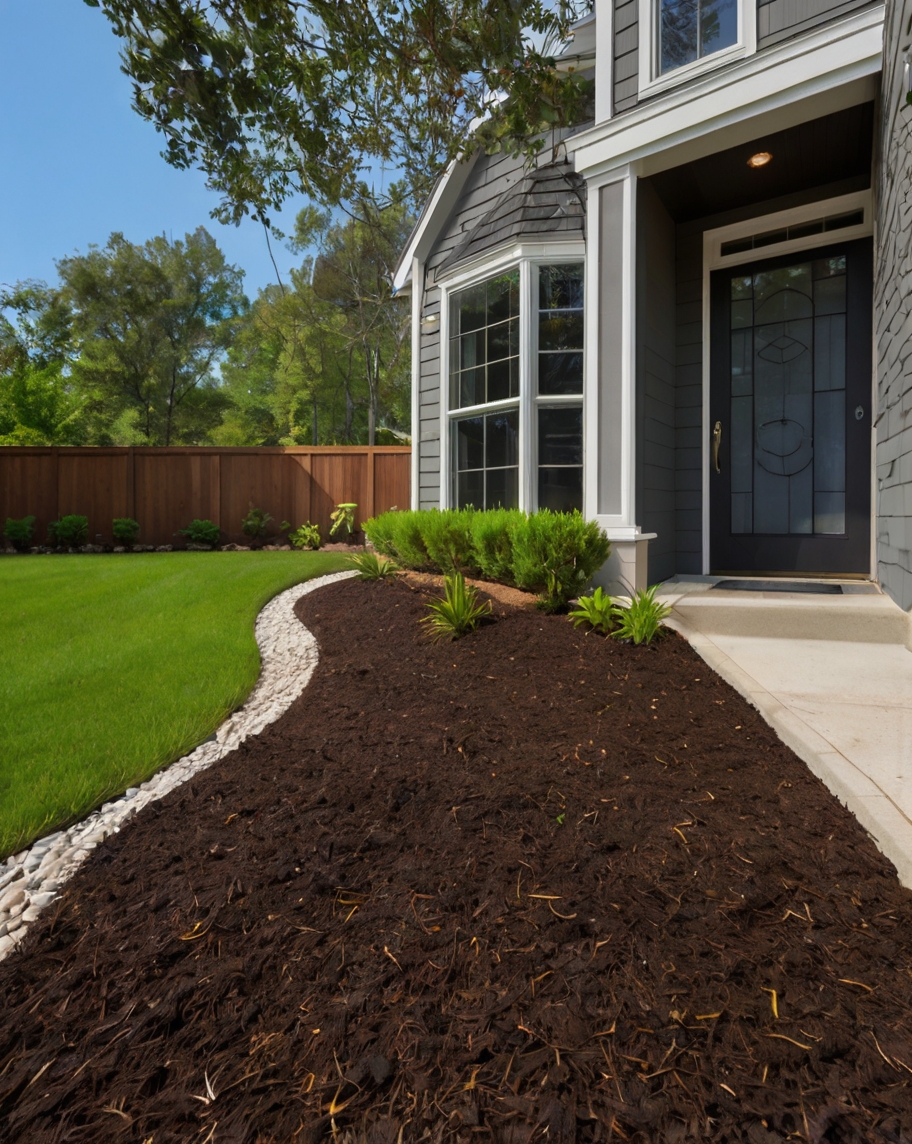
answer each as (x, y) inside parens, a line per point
(552, 553)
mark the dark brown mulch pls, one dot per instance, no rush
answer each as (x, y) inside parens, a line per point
(531, 886)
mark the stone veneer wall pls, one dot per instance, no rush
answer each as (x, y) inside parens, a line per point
(893, 314)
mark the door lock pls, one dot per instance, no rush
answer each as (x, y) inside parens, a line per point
(717, 441)
(859, 412)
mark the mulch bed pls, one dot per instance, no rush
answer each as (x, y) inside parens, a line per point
(531, 886)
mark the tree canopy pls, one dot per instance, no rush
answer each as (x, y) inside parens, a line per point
(276, 97)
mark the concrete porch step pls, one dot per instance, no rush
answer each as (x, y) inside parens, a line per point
(853, 618)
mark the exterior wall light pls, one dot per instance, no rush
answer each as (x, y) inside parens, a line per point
(430, 320)
(760, 159)
(907, 78)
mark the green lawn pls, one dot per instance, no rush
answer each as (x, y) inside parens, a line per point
(114, 665)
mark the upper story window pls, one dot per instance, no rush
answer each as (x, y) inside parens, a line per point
(515, 407)
(679, 39)
(692, 29)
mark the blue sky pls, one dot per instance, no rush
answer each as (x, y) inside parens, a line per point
(76, 163)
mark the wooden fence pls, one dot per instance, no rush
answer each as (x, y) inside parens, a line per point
(164, 489)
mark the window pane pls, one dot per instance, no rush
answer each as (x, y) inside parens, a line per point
(679, 20)
(560, 373)
(718, 25)
(503, 297)
(470, 443)
(472, 350)
(502, 438)
(560, 436)
(468, 310)
(470, 489)
(560, 330)
(503, 340)
(829, 513)
(560, 490)
(502, 488)
(560, 287)
(471, 387)
(503, 379)
(830, 295)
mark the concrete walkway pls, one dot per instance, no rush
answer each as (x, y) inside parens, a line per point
(832, 674)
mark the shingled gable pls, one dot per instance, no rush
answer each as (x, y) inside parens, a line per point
(548, 201)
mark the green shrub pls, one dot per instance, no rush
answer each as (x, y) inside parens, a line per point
(19, 532)
(125, 530)
(305, 536)
(597, 611)
(447, 537)
(556, 554)
(201, 532)
(255, 523)
(553, 553)
(458, 612)
(69, 532)
(641, 621)
(492, 542)
(343, 519)
(370, 566)
(399, 534)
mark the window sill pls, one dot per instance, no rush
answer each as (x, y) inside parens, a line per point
(690, 71)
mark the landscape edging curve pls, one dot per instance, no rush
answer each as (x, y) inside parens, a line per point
(32, 879)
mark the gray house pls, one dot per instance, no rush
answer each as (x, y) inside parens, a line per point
(678, 322)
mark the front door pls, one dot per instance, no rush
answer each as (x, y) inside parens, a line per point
(790, 413)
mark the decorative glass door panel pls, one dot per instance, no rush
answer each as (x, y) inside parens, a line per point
(790, 408)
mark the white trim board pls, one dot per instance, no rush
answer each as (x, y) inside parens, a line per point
(713, 259)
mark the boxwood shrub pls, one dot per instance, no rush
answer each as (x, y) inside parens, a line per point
(552, 553)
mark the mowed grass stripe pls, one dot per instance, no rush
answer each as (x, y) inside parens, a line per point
(115, 665)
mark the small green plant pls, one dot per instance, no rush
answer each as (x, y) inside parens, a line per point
(597, 611)
(201, 532)
(125, 530)
(343, 519)
(19, 532)
(255, 524)
(641, 621)
(370, 566)
(458, 612)
(69, 532)
(561, 819)
(305, 536)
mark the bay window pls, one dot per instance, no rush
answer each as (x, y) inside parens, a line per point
(515, 389)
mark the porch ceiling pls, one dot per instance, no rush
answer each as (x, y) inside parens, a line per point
(822, 151)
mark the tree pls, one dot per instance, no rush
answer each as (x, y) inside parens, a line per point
(275, 97)
(39, 404)
(151, 324)
(328, 358)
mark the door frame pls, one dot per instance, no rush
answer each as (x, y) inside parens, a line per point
(713, 259)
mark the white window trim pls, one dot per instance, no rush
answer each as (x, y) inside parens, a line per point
(651, 81)
(524, 256)
(713, 259)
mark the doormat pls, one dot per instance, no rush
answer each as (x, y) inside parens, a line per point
(778, 586)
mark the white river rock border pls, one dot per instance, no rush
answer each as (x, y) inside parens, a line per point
(31, 880)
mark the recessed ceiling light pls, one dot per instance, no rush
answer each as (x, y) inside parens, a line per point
(760, 159)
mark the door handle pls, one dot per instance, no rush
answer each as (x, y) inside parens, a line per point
(717, 441)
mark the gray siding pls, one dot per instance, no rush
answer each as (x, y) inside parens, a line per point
(655, 381)
(626, 55)
(893, 317)
(778, 20)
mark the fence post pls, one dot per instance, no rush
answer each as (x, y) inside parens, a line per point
(130, 490)
(371, 483)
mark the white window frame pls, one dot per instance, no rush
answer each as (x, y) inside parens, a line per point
(652, 81)
(527, 257)
(713, 259)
